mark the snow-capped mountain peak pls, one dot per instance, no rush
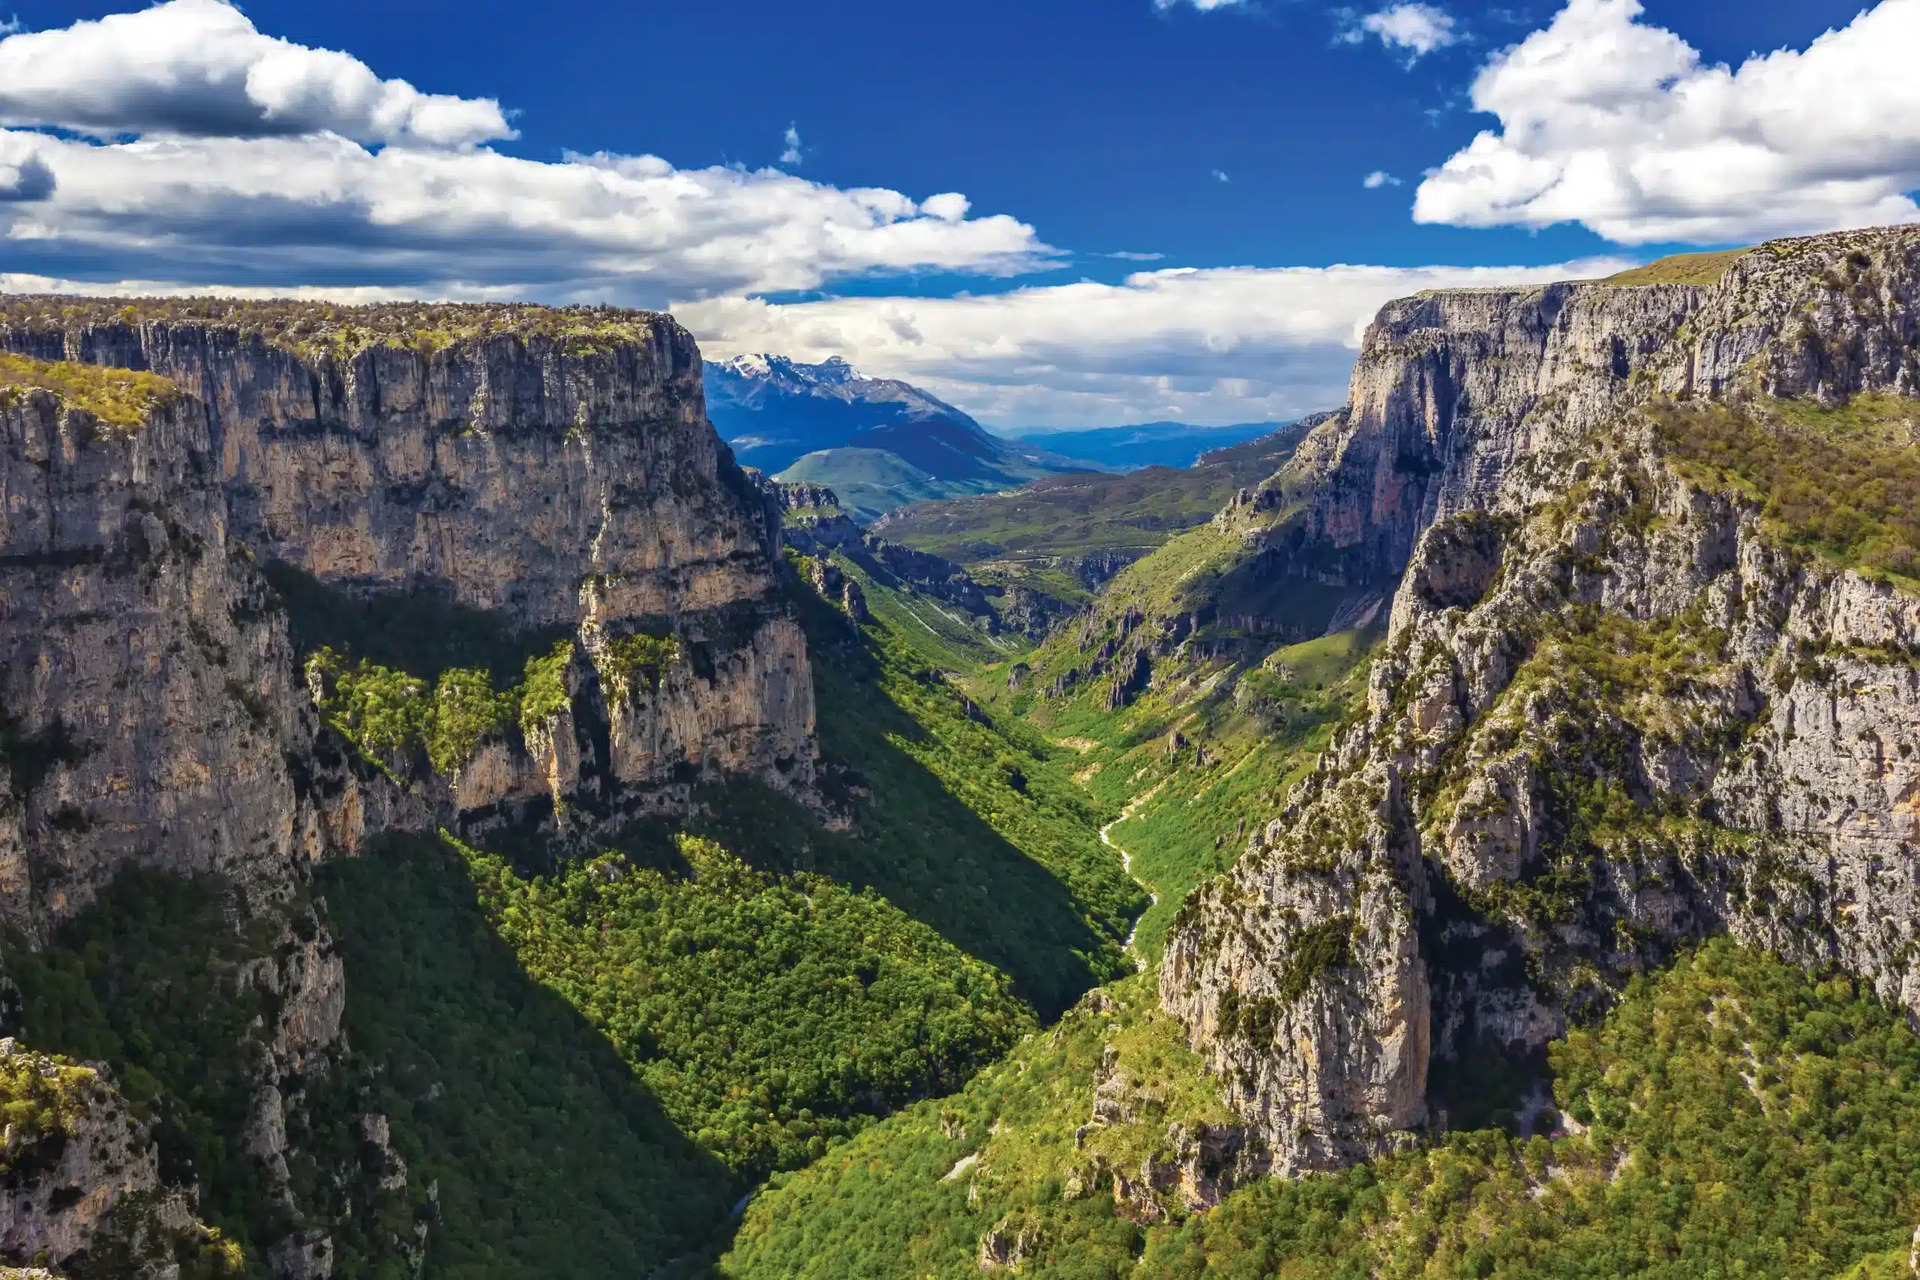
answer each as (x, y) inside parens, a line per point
(831, 372)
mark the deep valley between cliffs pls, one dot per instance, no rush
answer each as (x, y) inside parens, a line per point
(459, 823)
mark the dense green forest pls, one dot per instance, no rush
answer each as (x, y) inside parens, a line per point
(741, 993)
(584, 1069)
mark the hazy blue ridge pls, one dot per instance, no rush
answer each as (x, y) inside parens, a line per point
(1146, 444)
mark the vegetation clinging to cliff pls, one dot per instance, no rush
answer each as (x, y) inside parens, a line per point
(627, 662)
(120, 398)
(156, 980)
(389, 714)
(1844, 483)
(42, 1100)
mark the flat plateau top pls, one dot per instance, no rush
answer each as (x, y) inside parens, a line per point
(1681, 268)
(325, 329)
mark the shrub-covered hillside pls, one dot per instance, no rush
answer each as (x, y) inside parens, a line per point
(1733, 1116)
(584, 1062)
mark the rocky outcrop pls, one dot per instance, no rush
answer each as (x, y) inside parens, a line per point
(1453, 388)
(1616, 709)
(81, 1177)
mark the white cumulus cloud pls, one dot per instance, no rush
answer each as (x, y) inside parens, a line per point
(1413, 29)
(792, 154)
(1379, 178)
(200, 67)
(1204, 6)
(1616, 124)
(220, 156)
(1231, 344)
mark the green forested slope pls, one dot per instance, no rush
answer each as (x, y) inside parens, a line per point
(547, 1151)
(584, 1070)
(914, 1195)
(958, 813)
(1737, 1118)
(1195, 768)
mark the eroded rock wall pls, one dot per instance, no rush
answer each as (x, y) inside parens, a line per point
(152, 710)
(558, 482)
(153, 718)
(1613, 712)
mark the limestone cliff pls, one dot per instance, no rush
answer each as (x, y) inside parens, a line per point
(1625, 700)
(153, 716)
(552, 468)
(149, 690)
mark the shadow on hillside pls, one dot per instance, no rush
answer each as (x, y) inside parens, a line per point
(919, 845)
(417, 631)
(551, 1159)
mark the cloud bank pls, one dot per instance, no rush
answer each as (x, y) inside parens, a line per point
(179, 149)
(223, 156)
(200, 67)
(1230, 344)
(1612, 123)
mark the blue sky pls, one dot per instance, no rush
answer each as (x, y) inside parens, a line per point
(1234, 140)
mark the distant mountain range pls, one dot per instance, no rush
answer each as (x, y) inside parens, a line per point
(880, 443)
(1145, 444)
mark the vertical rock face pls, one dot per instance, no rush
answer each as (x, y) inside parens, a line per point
(555, 469)
(1615, 709)
(1454, 387)
(148, 687)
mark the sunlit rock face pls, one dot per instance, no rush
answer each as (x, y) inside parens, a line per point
(1616, 709)
(552, 473)
(555, 469)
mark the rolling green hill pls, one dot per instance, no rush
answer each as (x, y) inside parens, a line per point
(1076, 514)
(872, 482)
(1063, 536)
